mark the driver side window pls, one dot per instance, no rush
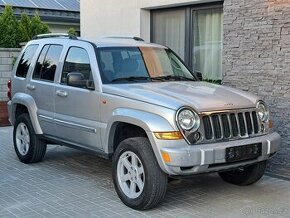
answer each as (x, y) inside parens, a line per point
(77, 61)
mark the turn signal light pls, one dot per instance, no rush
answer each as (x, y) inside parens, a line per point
(166, 157)
(271, 125)
(168, 135)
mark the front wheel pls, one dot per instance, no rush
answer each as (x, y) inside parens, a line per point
(138, 179)
(245, 175)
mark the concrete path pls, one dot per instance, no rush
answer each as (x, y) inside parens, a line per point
(70, 183)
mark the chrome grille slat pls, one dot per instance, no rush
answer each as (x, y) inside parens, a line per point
(248, 130)
(221, 126)
(211, 123)
(231, 124)
(238, 122)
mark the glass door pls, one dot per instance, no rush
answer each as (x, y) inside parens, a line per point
(207, 35)
(168, 28)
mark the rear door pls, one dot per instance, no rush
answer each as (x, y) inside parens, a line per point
(77, 113)
(41, 85)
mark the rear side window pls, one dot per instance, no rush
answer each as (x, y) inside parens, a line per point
(47, 62)
(25, 61)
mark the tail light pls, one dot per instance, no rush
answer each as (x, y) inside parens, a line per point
(9, 89)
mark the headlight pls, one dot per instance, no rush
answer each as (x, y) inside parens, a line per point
(188, 119)
(262, 111)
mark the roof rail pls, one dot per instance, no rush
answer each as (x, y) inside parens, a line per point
(126, 37)
(54, 35)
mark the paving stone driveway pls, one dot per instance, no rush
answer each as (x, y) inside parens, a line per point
(70, 183)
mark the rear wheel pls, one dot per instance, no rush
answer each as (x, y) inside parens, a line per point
(138, 179)
(28, 146)
(245, 175)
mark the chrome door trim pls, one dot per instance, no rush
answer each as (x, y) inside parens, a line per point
(46, 118)
(75, 126)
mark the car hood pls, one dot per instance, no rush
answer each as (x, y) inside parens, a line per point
(201, 96)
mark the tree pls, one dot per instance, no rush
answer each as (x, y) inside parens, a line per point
(25, 28)
(37, 26)
(13, 32)
(9, 36)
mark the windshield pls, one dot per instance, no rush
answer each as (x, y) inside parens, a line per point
(141, 64)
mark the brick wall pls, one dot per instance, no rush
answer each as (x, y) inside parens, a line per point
(257, 57)
(7, 56)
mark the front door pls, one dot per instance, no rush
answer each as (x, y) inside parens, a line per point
(77, 108)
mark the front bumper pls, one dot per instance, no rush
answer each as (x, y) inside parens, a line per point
(195, 159)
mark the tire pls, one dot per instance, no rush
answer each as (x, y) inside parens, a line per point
(154, 179)
(28, 146)
(246, 175)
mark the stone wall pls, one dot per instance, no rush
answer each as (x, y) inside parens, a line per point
(7, 57)
(257, 57)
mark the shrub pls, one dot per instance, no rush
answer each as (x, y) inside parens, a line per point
(72, 32)
(9, 36)
(13, 32)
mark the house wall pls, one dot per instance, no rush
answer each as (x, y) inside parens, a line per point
(7, 57)
(132, 18)
(257, 57)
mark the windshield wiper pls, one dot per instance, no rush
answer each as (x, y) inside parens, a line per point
(131, 78)
(172, 77)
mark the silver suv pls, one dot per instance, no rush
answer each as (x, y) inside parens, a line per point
(139, 105)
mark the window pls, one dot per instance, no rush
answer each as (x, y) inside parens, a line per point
(208, 44)
(140, 64)
(195, 34)
(169, 29)
(121, 62)
(25, 61)
(77, 61)
(47, 62)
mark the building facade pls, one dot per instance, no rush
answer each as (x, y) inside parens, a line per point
(245, 44)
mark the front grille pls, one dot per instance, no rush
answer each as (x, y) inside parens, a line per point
(230, 125)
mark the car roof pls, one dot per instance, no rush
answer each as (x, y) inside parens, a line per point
(112, 41)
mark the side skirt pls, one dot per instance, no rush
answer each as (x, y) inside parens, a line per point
(94, 151)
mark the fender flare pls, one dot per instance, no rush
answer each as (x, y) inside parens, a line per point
(27, 101)
(149, 122)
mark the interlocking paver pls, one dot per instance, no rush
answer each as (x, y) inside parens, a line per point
(71, 183)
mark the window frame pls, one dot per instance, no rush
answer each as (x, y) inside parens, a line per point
(63, 65)
(189, 39)
(57, 65)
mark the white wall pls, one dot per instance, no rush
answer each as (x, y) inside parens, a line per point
(122, 17)
(62, 27)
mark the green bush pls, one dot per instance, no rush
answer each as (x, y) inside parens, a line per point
(13, 32)
(9, 36)
(72, 32)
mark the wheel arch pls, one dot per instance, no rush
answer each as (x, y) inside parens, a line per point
(22, 103)
(144, 122)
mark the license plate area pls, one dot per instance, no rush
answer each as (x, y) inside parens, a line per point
(243, 152)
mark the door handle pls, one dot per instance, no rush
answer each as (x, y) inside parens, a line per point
(61, 93)
(30, 87)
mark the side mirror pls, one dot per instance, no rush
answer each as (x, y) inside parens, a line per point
(199, 75)
(77, 79)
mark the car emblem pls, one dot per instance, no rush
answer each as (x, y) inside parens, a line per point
(229, 104)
